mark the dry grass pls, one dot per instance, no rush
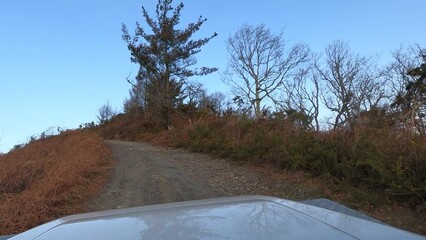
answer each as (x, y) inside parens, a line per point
(374, 167)
(50, 178)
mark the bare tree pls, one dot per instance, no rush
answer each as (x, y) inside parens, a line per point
(138, 95)
(214, 103)
(105, 113)
(259, 64)
(351, 83)
(302, 95)
(407, 75)
(194, 93)
(405, 59)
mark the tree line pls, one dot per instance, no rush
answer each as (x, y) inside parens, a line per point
(337, 114)
(271, 78)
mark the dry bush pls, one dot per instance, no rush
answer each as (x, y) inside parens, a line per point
(128, 127)
(372, 153)
(373, 164)
(50, 178)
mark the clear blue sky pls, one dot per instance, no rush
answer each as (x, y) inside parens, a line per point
(60, 60)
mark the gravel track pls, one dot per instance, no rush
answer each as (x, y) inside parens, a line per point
(145, 174)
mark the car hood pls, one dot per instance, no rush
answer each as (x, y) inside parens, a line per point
(249, 217)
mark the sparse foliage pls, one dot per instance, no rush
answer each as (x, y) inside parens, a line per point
(351, 83)
(165, 55)
(260, 64)
(105, 113)
(194, 93)
(214, 103)
(408, 77)
(137, 95)
(302, 96)
(198, 102)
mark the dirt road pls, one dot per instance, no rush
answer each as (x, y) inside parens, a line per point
(146, 174)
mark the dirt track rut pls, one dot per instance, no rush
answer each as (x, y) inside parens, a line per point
(146, 174)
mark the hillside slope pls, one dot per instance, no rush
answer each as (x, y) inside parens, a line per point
(49, 178)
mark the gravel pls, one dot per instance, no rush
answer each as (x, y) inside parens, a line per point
(145, 174)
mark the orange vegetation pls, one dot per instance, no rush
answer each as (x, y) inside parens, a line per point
(377, 167)
(50, 178)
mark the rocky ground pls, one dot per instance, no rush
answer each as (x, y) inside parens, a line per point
(146, 174)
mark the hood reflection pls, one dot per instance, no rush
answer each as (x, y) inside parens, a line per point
(238, 220)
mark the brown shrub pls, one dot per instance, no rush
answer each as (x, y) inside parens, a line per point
(371, 153)
(50, 178)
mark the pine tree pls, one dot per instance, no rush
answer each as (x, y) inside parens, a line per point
(165, 56)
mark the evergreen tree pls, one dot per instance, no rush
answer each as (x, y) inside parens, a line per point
(165, 56)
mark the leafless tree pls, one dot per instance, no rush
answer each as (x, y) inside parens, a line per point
(214, 103)
(194, 93)
(302, 95)
(409, 86)
(405, 59)
(196, 99)
(105, 113)
(259, 64)
(138, 95)
(351, 83)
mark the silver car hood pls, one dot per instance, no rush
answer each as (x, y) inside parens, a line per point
(249, 217)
